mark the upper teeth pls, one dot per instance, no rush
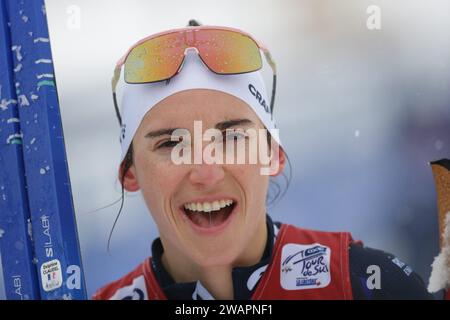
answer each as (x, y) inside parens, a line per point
(208, 206)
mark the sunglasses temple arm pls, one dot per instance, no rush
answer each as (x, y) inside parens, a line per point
(274, 81)
(114, 81)
(272, 99)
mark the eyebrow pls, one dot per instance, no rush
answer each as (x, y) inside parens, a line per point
(231, 123)
(220, 126)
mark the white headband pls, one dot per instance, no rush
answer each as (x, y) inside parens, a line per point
(138, 99)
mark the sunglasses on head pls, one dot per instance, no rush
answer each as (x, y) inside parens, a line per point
(159, 57)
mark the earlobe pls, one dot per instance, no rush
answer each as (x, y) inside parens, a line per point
(281, 162)
(130, 182)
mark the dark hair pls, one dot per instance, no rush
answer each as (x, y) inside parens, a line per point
(124, 167)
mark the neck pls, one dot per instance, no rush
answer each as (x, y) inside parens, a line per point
(216, 279)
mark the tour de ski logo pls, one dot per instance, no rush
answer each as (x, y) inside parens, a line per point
(305, 266)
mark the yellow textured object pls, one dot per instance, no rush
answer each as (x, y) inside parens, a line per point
(441, 173)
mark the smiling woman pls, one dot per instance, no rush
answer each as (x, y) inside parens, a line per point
(216, 239)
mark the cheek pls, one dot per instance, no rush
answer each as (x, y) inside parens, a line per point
(259, 186)
(158, 179)
(254, 184)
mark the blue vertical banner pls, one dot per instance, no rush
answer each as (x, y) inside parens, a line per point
(16, 245)
(57, 258)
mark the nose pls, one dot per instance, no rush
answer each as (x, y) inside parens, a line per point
(206, 175)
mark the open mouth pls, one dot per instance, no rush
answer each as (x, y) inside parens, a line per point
(209, 214)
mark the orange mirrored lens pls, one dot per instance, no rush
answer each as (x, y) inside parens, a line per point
(227, 52)
(156, 59)
(223, 51)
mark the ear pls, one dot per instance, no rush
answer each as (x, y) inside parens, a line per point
(281, 162)
(130, 182)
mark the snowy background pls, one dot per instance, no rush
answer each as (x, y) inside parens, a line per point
(361, 112)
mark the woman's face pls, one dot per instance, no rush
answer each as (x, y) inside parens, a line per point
(173, 192)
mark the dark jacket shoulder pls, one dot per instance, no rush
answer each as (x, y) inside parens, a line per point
(376, 274)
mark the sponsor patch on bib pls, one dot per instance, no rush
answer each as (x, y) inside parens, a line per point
(305, 266)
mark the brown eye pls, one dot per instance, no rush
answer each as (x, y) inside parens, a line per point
(235, 136)
(168, 144)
